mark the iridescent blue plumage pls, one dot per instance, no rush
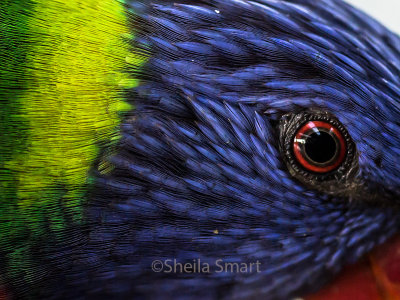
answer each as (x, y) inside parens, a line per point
(199, 174)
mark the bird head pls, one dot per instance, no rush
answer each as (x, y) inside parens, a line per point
(262, 132)
(216, 141)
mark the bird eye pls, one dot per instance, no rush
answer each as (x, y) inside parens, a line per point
(317, 148)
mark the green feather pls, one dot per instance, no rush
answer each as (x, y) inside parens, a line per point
(62, 81)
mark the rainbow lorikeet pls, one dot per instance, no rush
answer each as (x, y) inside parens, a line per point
(211, 149)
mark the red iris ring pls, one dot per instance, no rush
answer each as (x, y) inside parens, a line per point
(300, 154)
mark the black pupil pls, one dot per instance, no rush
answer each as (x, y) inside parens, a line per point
(320, 147)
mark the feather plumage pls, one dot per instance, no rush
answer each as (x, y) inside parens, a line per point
(198, 174)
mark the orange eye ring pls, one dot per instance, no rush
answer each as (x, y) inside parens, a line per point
(319, 147)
